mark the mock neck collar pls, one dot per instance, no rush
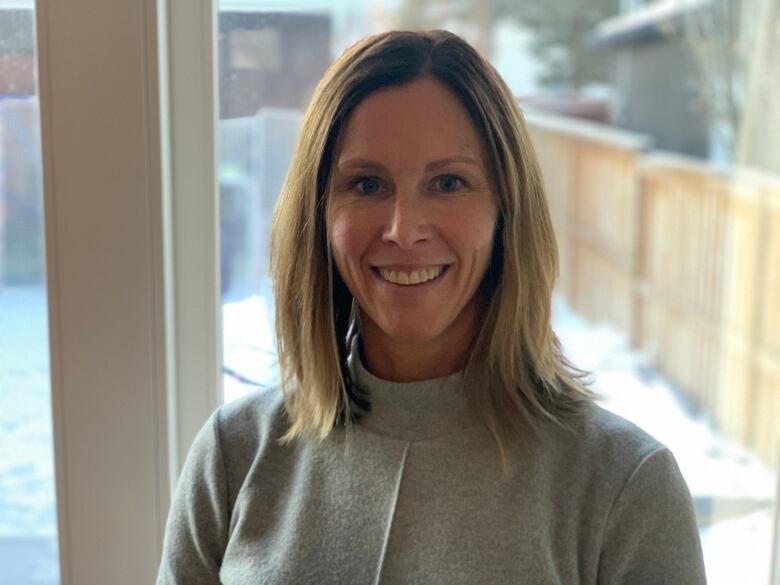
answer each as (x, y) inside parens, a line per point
(411, 410)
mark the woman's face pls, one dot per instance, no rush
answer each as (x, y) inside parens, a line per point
(412, 215)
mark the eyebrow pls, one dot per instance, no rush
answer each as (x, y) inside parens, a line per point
(363, 163)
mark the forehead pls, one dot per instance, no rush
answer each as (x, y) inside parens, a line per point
(410, 124)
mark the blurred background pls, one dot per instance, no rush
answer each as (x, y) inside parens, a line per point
(658, 130)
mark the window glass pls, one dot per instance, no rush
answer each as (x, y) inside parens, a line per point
(657, 130)
(28, 520)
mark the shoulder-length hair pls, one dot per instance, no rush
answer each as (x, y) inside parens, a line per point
(517, 374)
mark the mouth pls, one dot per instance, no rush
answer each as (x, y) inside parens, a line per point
(415, 277)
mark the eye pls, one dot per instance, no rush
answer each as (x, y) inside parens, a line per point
(368, 185)
(449, 183)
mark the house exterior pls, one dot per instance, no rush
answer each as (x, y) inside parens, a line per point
(656, 78)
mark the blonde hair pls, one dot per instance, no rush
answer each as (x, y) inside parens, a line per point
(517, 374)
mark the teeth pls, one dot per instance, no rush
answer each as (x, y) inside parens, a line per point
(415, 277)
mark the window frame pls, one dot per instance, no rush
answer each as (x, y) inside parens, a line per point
(131, 222)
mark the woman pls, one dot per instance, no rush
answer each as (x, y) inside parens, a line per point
(431, 429)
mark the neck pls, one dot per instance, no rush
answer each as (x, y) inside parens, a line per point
(399, 360)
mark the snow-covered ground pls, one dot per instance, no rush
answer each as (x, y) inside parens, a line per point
(28, 518)
(732, 490)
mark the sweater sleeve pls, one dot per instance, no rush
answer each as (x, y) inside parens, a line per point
(651, 536)
(197, 527)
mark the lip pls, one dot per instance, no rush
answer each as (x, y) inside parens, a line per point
(409, 289)
(410, 267)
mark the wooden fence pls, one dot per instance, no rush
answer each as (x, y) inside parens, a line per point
(682, 257)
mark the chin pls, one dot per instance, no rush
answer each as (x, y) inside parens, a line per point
(414, 332)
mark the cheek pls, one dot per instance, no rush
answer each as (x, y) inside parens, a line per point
(481, 237)
(474, 230)
(348, 239)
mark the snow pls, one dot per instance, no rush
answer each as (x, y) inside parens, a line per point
(249, 347)
(26, 459)
(28, 515)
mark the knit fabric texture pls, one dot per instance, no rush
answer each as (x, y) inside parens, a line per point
(417, 495)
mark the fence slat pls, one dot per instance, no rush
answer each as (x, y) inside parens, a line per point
(682, 257)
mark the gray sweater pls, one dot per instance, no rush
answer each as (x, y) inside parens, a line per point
(418, 497)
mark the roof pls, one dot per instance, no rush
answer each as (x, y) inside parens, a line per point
(643, 24)
(266, 6)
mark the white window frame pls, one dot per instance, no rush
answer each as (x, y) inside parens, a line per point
(132, 256)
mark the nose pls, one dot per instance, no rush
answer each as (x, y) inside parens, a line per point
(407, 224)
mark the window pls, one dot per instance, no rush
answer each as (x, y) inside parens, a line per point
(28, 518)
(134, 373)
(644, 145)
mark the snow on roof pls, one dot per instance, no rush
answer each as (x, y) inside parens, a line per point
(644, 22)
(265, 6)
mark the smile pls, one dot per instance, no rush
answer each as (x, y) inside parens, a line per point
(409, 278)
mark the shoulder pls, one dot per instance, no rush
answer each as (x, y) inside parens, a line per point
(600, 448)
(237, 432)
(628, 486)
(648, 530)
(597, 434)
(260, 409)
(237, 436)
(226, 446)
(604, 435)
(248, 424)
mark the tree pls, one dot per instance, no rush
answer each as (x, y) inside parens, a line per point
(758, 139)
(560, 30)
(471, 19)
(726, 40)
